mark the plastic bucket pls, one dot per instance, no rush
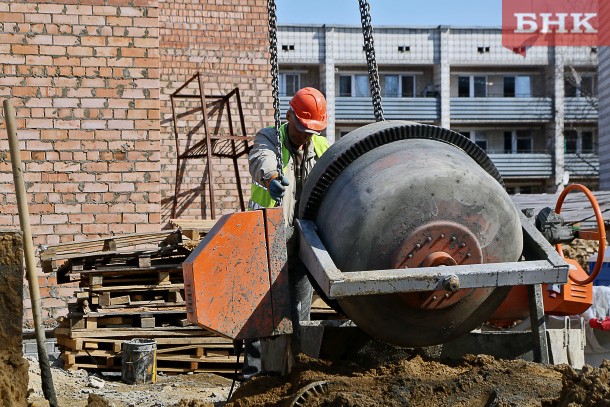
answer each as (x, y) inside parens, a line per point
(139, 363)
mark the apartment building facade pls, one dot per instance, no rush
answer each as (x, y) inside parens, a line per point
(534, 110)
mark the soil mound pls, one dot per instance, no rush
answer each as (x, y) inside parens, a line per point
(13, 379)
(475, 380)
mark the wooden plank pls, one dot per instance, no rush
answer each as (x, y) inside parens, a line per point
(163, 278)
(139, 287)
(98, 244)
(133, 332)
(199, 225)
(127, 269)
(121, 300)
(147, 322)
(200, 349)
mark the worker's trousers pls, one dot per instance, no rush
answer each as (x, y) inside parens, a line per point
(301, 292)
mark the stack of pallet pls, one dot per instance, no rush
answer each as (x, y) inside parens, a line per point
(131, 286)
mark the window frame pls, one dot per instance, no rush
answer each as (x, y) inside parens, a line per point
(472, 85)
(282, 82)
(353, 84)
(516, 78)
(400, 87)
(579, 134)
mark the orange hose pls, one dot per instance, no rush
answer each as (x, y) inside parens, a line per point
(600, 228)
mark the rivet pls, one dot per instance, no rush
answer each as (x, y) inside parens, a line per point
(417, 246)
(462, 245)
(446, 296)
(453, 238)
(410, 256)
(442, 235)
(468, 255)
(428, 239)
(434, 298)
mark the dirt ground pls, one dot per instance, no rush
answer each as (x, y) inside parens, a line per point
(418, 381)
(379, 376)
(72, 389)
(385, 376)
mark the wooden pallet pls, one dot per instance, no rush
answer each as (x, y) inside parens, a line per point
(198, 360)
(53, 257)
(147, 320)
(194, 228)
(115, 333)
(165, 345)
(160, 275)
(153, 295)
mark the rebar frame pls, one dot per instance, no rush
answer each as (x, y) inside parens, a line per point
(205, 147)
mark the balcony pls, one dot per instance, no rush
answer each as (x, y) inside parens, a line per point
(540, 165)
(582, 165)
(501, 109)
(581, 108)
(360, 109)
(535, 165)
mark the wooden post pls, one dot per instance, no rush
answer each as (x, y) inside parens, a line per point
(28, 248)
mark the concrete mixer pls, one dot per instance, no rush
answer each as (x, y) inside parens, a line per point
(404, 227)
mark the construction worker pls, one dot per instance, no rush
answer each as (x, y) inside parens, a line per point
(302, 145)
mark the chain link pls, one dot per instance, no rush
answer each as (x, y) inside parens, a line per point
(369, 49)
(271, 8)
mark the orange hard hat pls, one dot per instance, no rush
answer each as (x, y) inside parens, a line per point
(309, 106)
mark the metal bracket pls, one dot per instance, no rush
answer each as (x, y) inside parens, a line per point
(544, 267)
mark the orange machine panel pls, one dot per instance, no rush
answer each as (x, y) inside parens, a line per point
(236, 280)
(574, 298)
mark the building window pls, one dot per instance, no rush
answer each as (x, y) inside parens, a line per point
(570, 138)
(579, 142)
(354, 85)
(518, 142)
(580, 86)
(477, 137)
(524, 142)
(289, 83)
(587, 142)
(517, 86)
(399, 86)
(472, 86)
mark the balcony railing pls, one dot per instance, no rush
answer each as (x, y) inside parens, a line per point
(582, 165)
(534, 165)
(360, 109)
(540, 165)
(501, 109)
(581, 109)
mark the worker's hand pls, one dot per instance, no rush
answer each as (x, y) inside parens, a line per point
(277, 187)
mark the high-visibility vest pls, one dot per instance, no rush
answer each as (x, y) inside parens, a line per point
(260, 197)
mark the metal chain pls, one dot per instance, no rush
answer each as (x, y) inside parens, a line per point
(271, 8)
(369, 49)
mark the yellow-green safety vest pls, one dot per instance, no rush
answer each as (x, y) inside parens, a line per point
(260, 196)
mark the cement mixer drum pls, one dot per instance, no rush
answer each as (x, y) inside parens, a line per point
(395, 194)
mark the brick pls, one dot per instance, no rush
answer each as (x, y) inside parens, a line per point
(54, 219)
(66, 40)
(12, 17)
(80, 51)
(37, 18)
(50, 8)
(24, 49)
(52, 50)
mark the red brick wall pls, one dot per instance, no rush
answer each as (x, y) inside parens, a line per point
(226, 41)
(84, 80)
(90, 81)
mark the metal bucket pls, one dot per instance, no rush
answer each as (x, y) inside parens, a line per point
(139, 363)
